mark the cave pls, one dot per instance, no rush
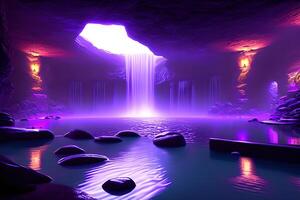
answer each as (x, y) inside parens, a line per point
(137, 99)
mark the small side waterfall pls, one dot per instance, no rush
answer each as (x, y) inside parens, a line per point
(214, 90)
(75, 94)
(140, 69)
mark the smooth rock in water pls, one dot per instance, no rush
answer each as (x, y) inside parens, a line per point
(69, 150)
(57, 117)
(18, 179)
(253, 120)
(127, 133)
(108, 139)
(6, 119)
(82, 159)
(78, 134)
(11, 134)
(235, 153)
(169, 139)
(119, 186)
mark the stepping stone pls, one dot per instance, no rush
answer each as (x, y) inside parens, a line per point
(6, 119)
(169, 139)
(12, 134)
(78, 135)
(119, 186)
(108, 139)
(127, 133)
(69, 150)
(253, 120)
(82, 159)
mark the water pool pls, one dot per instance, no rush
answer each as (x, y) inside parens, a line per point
(192, 172)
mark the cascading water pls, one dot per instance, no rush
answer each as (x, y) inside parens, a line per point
(140, 63)
(140, 69)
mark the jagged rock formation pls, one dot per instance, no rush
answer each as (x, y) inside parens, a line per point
(288, 109)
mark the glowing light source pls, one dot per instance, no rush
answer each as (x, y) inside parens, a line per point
(245, 61)
(246, 45)
(140, 64)
(294, 80)
(112, 39)
(41, 49)
(34, 64)
(292, 18)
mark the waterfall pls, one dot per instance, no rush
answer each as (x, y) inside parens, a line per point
(140, 63)
(214, 90)
(140, 69)
(75, 94)
(184, 95)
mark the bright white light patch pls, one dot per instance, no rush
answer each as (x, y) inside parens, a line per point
(112, 39)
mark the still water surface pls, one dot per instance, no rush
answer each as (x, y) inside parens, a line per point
(192, 172)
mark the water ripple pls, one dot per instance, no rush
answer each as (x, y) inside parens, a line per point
(143, 167)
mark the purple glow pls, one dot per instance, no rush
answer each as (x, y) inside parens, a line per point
(140, 64)
(242, 136)
(248, 180)
(273, 136)
(113, 39)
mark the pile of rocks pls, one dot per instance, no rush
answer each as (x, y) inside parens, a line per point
(6, 119)
(288, 109)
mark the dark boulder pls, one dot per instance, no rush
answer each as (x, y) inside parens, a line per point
(253, 120)
(69, 150)
(18, 179)
(127, 133)
(53, 191)
(82, 159)
(11, 134)
(169, 139)
(119, 186)
(6, 119)
(78, 134)
(108, 139)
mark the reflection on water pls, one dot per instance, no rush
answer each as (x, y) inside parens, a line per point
(248, 180)
(273, 136)
(152, 126)
(293, 141)
(35, 155)
(139, 163)
(242, 135)
(296, 181)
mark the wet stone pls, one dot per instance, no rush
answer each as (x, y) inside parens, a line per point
(82, 159)
(78, 134)
(69, 150)
(108, 139)
(119, 186)
(128, 133)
